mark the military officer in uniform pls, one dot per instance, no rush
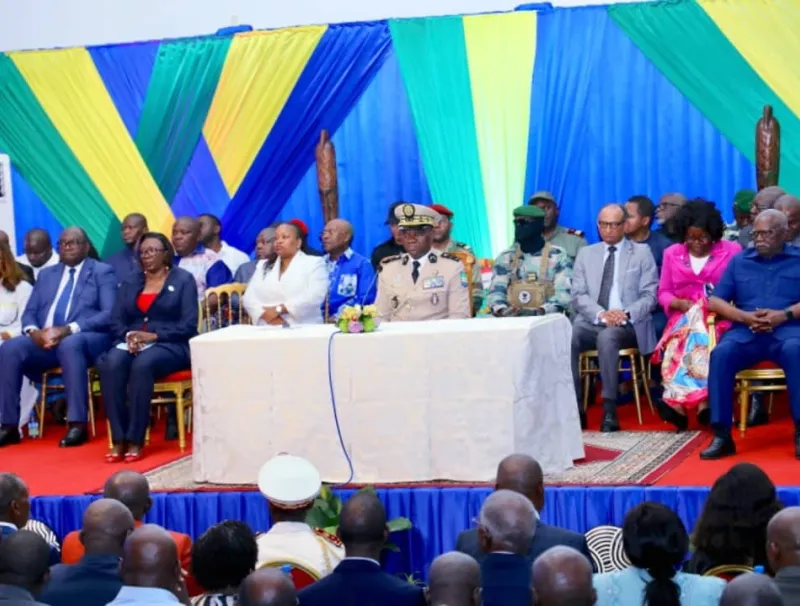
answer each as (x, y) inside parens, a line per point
(392, 246)
(571, 240)
(422, 283)
(290, 485)
(533, 277)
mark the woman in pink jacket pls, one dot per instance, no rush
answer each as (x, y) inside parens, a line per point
(688, 275)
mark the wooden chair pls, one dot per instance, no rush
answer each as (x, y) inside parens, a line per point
(302, 575)
(770, 373)
(630, 361)
(468, 261)
(46, 387)
(727, 572)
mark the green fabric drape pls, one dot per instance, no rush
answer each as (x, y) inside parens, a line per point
(432, 54)
(178, 98)
(45, 161)
(685, 44)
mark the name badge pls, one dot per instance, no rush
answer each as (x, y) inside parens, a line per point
(347, 285)
(434, 282)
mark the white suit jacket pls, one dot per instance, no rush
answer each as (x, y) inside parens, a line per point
(301, 289)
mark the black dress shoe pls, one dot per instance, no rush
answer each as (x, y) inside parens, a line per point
(76, 436)
(670, 415)
(797, 444)
(721, 446)
(758, 414)
(610, 423)
(9, 435)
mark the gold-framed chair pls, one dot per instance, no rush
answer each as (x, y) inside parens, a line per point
(630, 361)
(221, 305)
(302, 575)
(728, 572)
(46, 387)
(468, 261)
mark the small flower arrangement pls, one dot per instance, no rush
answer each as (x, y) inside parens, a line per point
(357, 319)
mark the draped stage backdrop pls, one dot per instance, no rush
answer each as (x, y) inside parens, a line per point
(475, 112)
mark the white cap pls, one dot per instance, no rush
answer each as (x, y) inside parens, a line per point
(289, 482)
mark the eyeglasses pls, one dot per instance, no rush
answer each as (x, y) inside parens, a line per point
(149, 252)
(766, 234)
(70, 243)
(669, 205)
(610, 224)
(704, 239)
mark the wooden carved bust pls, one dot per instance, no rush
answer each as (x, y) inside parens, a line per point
(768, 149)
(327, 181)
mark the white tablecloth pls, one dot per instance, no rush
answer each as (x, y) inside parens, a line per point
(416, 401)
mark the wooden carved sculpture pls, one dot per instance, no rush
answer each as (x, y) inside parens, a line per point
(327, 181)
(768, 149)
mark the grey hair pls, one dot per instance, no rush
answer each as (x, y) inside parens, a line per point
(617, 205)
(787, 202)
(11, 489)
(512, 530)
(776, 218)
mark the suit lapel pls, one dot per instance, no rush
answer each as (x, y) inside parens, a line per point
(596, 272)
(83, 278)
(625, 254)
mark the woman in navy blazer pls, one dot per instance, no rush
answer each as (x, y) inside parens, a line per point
(154, 317)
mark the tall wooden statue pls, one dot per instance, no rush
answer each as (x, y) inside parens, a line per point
(768, 149)
(327, 181)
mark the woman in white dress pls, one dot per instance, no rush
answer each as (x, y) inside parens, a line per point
(290, 290)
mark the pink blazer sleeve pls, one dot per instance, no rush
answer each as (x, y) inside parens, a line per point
(665, 284)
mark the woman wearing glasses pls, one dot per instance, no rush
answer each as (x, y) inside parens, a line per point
(154, 317)
(688, 275)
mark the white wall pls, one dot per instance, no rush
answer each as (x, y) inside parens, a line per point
(28, 24)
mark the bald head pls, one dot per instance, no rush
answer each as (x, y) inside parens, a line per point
(24, 561)
(132, 490)
(507, 523)
(751, 590)
(267, 587)
(562, 576)
(150, 559)
(106, 525)
(454, 578)
(523, 474)
(337, 236)
(783, 539)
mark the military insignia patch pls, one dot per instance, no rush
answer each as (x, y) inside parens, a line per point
(435, 299)
(464, 280)
(408, 211)
(395, 302)
(524, 297)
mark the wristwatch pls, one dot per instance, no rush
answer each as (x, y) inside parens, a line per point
(789, 314)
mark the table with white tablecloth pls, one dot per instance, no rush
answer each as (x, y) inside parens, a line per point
(415, 401)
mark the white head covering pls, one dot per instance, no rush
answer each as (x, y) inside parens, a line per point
(289, 482)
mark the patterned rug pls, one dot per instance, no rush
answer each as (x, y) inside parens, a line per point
(617, 459)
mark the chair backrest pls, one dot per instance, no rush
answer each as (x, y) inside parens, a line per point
(727, 572)
(302, 576)
(222, 306)
(606, 549)
(468, 261)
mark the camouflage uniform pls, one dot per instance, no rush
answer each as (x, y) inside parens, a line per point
(571, 240)
(731, 232)
(477, 284)
(559, 273)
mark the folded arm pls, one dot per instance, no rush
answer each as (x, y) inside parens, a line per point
(186, 327)
(581, 301)
(648, 286)
(310, 294)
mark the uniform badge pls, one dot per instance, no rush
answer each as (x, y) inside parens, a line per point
(524, 297)
(464, 281)
(347, 285)
(433, 282)
(395, 302)
(434, 299)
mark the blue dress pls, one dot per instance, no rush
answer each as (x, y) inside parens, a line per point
(626, 588)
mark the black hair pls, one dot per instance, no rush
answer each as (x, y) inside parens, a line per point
(362, 520)
(301, 236)
(655, 540)
(24, 560)
(224, 555)
(11, 489)
(169, 255)
(214, 219)
(701, 214)
(644, 205)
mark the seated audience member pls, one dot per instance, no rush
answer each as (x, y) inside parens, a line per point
(38, 251)
(351, 277)
(393, 246)
(290, 484)
(305, 247)
(568, 239)
(94, 580)
(210, 236)
(25, 270)
(265, 249)
(126, 261)
(691, 269)
(47, 533)
(668, 207)
(763, 200)
(639, 228)
(783, 553)
(15, 509)
(520, 473)
(421, 284)
(24, 568)
(752, 590)
(292, 289)
(742, 202)
(268, 587)
(206, 265)
(562, 576)
(454, 579)
(222, 558)
(358, 579)
(65, 325)
(760, 294)
(656, 543)
(150, 571)
(732, 529)
(614, 285)
(790, 206)
(533, 277)
(154, 317)
(443, 242)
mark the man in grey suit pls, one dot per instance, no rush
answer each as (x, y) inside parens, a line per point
(24, 568)
(783, 553)
(614, 285)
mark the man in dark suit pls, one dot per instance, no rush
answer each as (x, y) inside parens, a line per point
(783, 540)
(522, 474)
(95, 580)
(66, 325)
(358, 579)
(24, 568)
(126, 261)
(15, 509)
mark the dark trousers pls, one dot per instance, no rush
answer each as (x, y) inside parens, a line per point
(659, 324)
(128, 382)
(607, 341)
(20, 357)
(730, 357)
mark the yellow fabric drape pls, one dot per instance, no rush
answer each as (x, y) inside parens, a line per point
(767, 34)
(260, 72)
(501, 50)
(70, 90)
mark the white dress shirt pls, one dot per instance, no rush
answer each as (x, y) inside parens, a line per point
(53, 260)
(614, 301)
(232, 257)
(50, 314)
(12, 306)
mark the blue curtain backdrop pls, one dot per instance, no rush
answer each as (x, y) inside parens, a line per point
(340, 69)
(30, 211)
(378, 163)
(605, 125)
(202, 189)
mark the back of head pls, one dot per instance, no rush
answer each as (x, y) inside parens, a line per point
(131, 489)
(562, 576)
(507, 523)
(106, 525)
(362, 524)
(523, 474)
(267, 587)
(150, 559)
(224, 555)
(454, 578)
(24, 561)
(751, 590)
(655, 540)
(14, 503)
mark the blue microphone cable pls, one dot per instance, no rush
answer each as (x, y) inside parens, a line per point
(335, 411)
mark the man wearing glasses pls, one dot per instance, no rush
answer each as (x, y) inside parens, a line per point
(614, 285)
(668, 207)
(65, 325)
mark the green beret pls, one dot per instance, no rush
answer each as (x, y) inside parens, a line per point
(743, 200)
(533, 212)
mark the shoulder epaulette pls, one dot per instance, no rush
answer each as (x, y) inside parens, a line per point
(575, 232)
(451, 256)
(328, 537)
(390, 259)
(463, 245)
